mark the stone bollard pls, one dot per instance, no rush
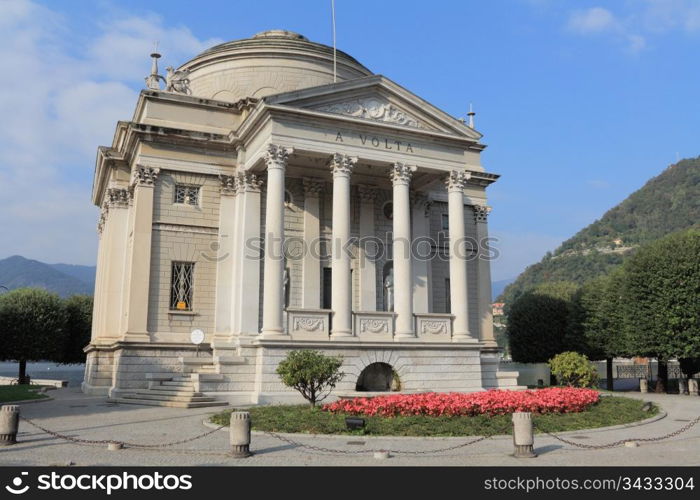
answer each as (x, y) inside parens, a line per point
(239, 430)
(9, 424)
(643, 385)
(682, 386)
(693, 387)
(523, 435)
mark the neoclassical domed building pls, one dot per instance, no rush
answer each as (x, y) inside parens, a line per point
(274, 197)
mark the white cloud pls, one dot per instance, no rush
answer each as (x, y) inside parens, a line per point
(637, 21)
(58, 104)
(594, 20)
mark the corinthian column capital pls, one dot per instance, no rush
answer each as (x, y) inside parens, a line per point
(276, 156)
(400, 173)
(117, 197)
(229, 185)
(145, 176)
(481, 212)
(313, 186)
(247, 182)
(341, 164)
(457, 180)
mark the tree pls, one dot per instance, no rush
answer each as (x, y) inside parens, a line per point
(599, 318)
(311, 373)
(32, 322)
(539, 323)
(662, 300)
(78, 328)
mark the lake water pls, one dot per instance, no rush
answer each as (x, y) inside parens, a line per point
(72, 373)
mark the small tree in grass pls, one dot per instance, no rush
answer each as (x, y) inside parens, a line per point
(574, 369)
(311, 373)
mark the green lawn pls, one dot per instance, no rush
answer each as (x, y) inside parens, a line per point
(303, 419)
(9, 393)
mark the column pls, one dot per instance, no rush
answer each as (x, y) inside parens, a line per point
(273, 286)
(459, 297)
(367, 266)
(341, 291)
(481, 213)
(401, 250)
(225, 258)
(140, 256)
(422, 249)
(246, 294)
(113, 291)
(99, 275)
(311, 292)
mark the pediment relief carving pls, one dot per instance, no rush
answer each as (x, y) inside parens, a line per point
(373, 108)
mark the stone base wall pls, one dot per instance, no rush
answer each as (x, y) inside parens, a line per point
(252, 378)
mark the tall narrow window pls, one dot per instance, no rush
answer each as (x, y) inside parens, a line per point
(448, 297)
(181, 286)
(445, 222)
(186, 195)
(327, 287)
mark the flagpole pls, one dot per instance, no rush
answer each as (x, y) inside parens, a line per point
(335, 63)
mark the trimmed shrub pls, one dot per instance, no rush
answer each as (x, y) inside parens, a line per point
(311, 373)
(574, 369)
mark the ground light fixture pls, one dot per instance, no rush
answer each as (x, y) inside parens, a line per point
(354, 423)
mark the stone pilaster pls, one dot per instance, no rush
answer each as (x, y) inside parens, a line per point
(486, 334)
(367, 266)
(311, 292)
(401, 250)
(225, 258)
(341, 299)
(139, 260)
(459, 294)
(422, 249)
(246, 294)
(273, 286)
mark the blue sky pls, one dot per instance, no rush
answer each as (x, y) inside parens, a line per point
(579, 102)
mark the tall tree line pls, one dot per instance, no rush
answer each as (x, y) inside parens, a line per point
(649, 306)
(36, 325)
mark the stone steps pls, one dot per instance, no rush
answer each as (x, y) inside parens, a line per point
(187, 398)
(169, 404)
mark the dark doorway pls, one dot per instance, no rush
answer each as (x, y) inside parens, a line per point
(376, 377)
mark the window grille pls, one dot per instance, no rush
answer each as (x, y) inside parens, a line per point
(186, 195)
(181, 286)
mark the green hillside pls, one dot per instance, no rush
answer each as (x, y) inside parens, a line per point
(669, 202)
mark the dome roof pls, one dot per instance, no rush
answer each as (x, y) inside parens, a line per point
(270, 62)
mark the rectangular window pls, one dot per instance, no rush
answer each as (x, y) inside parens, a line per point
(181, 287)
(186, 195)
(445, 222)
(448, 297)
(327, 287)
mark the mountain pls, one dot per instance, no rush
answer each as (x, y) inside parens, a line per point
(18, 272)
(667, 203)
(86, 274)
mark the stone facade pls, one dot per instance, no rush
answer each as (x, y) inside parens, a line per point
(253, 210)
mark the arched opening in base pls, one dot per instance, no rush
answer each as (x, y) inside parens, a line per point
(377, 377)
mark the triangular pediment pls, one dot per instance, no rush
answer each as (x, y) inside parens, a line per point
(375, 99)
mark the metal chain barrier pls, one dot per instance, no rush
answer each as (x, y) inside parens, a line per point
(95, 442)
(620, 442)
(373, 450)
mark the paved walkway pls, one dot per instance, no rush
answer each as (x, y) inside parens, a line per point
(75, 414)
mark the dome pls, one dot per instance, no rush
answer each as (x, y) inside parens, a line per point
(270, 62)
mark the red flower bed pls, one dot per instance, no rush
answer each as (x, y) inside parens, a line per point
(492, 402)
